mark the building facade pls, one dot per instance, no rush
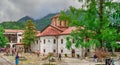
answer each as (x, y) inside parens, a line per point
(14, 36)
(53, 39)
(14, 40)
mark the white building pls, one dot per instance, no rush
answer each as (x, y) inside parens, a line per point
(14, 38)
(53, 39)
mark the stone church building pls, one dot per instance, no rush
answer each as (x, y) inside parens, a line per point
(53, 38)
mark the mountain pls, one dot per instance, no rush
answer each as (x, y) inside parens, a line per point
(44, 22)
(24, 19)
(20, 24)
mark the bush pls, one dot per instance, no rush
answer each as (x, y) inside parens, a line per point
(48, 56)
(100, 64)
(66, 55)
(51, 59)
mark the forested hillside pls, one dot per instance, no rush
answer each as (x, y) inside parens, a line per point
(39, 23)
(43, 22)
(12, 25)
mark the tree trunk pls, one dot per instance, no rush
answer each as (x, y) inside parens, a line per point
(83, 53)
(27, 48)
(101, 19)
(113, 50)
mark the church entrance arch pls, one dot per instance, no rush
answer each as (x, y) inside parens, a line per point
(73, 52)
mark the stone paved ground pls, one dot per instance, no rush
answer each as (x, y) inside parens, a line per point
(33, 59)
(4, 61)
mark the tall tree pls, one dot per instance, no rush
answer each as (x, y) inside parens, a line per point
(3, 39)
(92, 23)
(29, 34)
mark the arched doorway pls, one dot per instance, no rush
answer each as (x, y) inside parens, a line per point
(73, 52)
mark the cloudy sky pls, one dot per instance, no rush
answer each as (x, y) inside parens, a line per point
(11, 10)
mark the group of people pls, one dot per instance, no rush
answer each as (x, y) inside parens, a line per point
(108, 61)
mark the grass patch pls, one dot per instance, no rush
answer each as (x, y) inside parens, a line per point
(22, 59)
(100, 64)
(49, 64)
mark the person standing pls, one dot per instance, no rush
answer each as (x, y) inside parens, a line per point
(112, 62)
(17, 59)
(38, 53)
(59, 56)
(95, 58)
(30, 51)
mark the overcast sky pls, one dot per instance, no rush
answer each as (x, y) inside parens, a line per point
(11, 10)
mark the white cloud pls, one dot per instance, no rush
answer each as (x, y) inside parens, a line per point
(15, 9)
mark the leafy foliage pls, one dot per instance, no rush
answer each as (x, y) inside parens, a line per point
(12, 25)
(115, 15)
(29, 33)
(92, 24)
(3, 39)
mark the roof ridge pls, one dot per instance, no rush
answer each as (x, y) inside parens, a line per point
(56, 28)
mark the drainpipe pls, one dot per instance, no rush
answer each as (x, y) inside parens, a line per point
(57, 44)
(39, 43)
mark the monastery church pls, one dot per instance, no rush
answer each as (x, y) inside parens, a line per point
(51, 40)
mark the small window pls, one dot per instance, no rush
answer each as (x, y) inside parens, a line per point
(20, 40)
(37, 41)
(40, 40)
(61, 41)
(44, 50)
(54, 41)
(44, 41)
(48, 40)
(54, 50)
(61, 50)
(19, 35)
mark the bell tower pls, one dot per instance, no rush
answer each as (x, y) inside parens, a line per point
(58, 23)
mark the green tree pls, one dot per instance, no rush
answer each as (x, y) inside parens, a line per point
(92, 22)
(29, 34)
(115, 16)
(3, 39)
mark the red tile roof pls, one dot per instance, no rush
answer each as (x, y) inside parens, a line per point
(12, 31)
(38, 34)
(68, 31)
(50, 31)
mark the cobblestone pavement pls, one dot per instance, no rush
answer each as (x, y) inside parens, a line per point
(33, 59)
(4, 61)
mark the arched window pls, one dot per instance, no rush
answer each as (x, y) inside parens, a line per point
(44, 50)
(54, 50)
(61, 50)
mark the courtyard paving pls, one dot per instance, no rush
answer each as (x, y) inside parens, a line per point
(33, 59)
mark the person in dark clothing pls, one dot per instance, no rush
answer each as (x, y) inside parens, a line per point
(17, 59)
(95, 58)
(59, 56)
